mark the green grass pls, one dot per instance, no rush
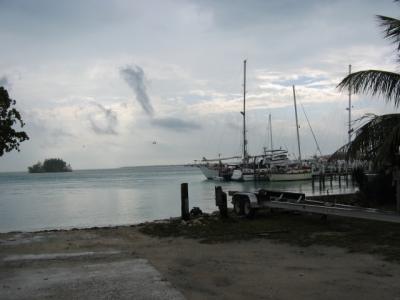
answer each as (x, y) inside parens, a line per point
(355, 235)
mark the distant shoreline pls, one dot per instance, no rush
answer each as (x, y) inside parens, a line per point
(114, 168)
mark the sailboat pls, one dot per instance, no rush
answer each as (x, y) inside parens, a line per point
(244, 172)
(239, 168)
(272, 165)
(251, 167)
(224, 168)
(218, 168)
(292, 171)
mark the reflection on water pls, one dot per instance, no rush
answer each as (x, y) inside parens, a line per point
(113, 197)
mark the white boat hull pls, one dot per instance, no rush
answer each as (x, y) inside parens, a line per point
(208, 172)
(290, 176)
(239, 175)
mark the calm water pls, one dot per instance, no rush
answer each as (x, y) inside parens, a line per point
(88, 198)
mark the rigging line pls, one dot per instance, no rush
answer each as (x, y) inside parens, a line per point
(267, 135)
(312, 131)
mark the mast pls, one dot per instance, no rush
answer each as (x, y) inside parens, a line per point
(244, 113)
(297, 122)
(349, 132)
(270, 132)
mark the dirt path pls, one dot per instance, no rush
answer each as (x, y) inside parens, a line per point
(251, 269)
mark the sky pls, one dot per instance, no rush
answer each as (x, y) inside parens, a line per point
(106, 84)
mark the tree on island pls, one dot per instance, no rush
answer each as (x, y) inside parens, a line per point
(50, 165)
(10, 138)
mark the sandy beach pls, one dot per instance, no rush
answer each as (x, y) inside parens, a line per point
(55, 264)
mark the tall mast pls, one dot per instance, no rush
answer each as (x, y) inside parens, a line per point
(297, 123)
(349, 132)
(244, 113)
(270, 131)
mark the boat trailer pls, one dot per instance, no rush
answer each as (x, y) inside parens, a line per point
(247, 203)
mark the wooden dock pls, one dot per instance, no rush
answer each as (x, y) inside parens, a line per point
(343, 178)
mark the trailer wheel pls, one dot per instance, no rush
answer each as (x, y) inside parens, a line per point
(248, 210)
(238, 207)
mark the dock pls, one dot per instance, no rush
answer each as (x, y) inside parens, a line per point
(343, 178)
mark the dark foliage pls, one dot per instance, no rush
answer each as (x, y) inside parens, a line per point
(378, 82)
(391, 28)
(36, 168)
(10, 138)
(50, 165)
(375, 190)
(379, 139)
(374, 82)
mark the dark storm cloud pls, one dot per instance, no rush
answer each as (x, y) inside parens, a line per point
(135, 77)
(175, 124)
(103, 121)
(4, 81)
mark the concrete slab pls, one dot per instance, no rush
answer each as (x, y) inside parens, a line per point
(128, 279)
(58, 256)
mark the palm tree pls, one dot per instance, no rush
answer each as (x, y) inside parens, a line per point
(379, 139)
(376, 140)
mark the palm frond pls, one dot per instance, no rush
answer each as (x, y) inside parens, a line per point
(391, 29)
(378, 140)
(374, 82)
(388, 153)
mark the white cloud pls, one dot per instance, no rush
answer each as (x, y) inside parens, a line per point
(191, 53)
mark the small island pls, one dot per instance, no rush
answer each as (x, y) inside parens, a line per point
(50, 165)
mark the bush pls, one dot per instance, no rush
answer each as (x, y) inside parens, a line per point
(375, 189)
(50, 165)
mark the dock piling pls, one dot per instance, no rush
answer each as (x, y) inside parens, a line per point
(185, 202)
(221, 201)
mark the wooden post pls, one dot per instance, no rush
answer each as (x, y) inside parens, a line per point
(221, 201)
(331, 179)
(185, 202)
(313, 183)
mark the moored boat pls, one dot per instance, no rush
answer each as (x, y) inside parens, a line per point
(291, 175)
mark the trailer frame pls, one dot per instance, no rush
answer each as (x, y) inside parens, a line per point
(247, 203)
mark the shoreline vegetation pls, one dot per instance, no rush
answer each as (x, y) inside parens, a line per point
(50, 165)
(304, 230)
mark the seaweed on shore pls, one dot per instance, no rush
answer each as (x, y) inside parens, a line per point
(355, 235)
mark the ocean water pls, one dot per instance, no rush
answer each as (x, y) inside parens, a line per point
(86, 198)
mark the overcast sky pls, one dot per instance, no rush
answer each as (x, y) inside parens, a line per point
(104, 84)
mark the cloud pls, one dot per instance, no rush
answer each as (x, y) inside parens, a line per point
(103, 120)
(4, 81)
(175, 124)
(134, 76)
